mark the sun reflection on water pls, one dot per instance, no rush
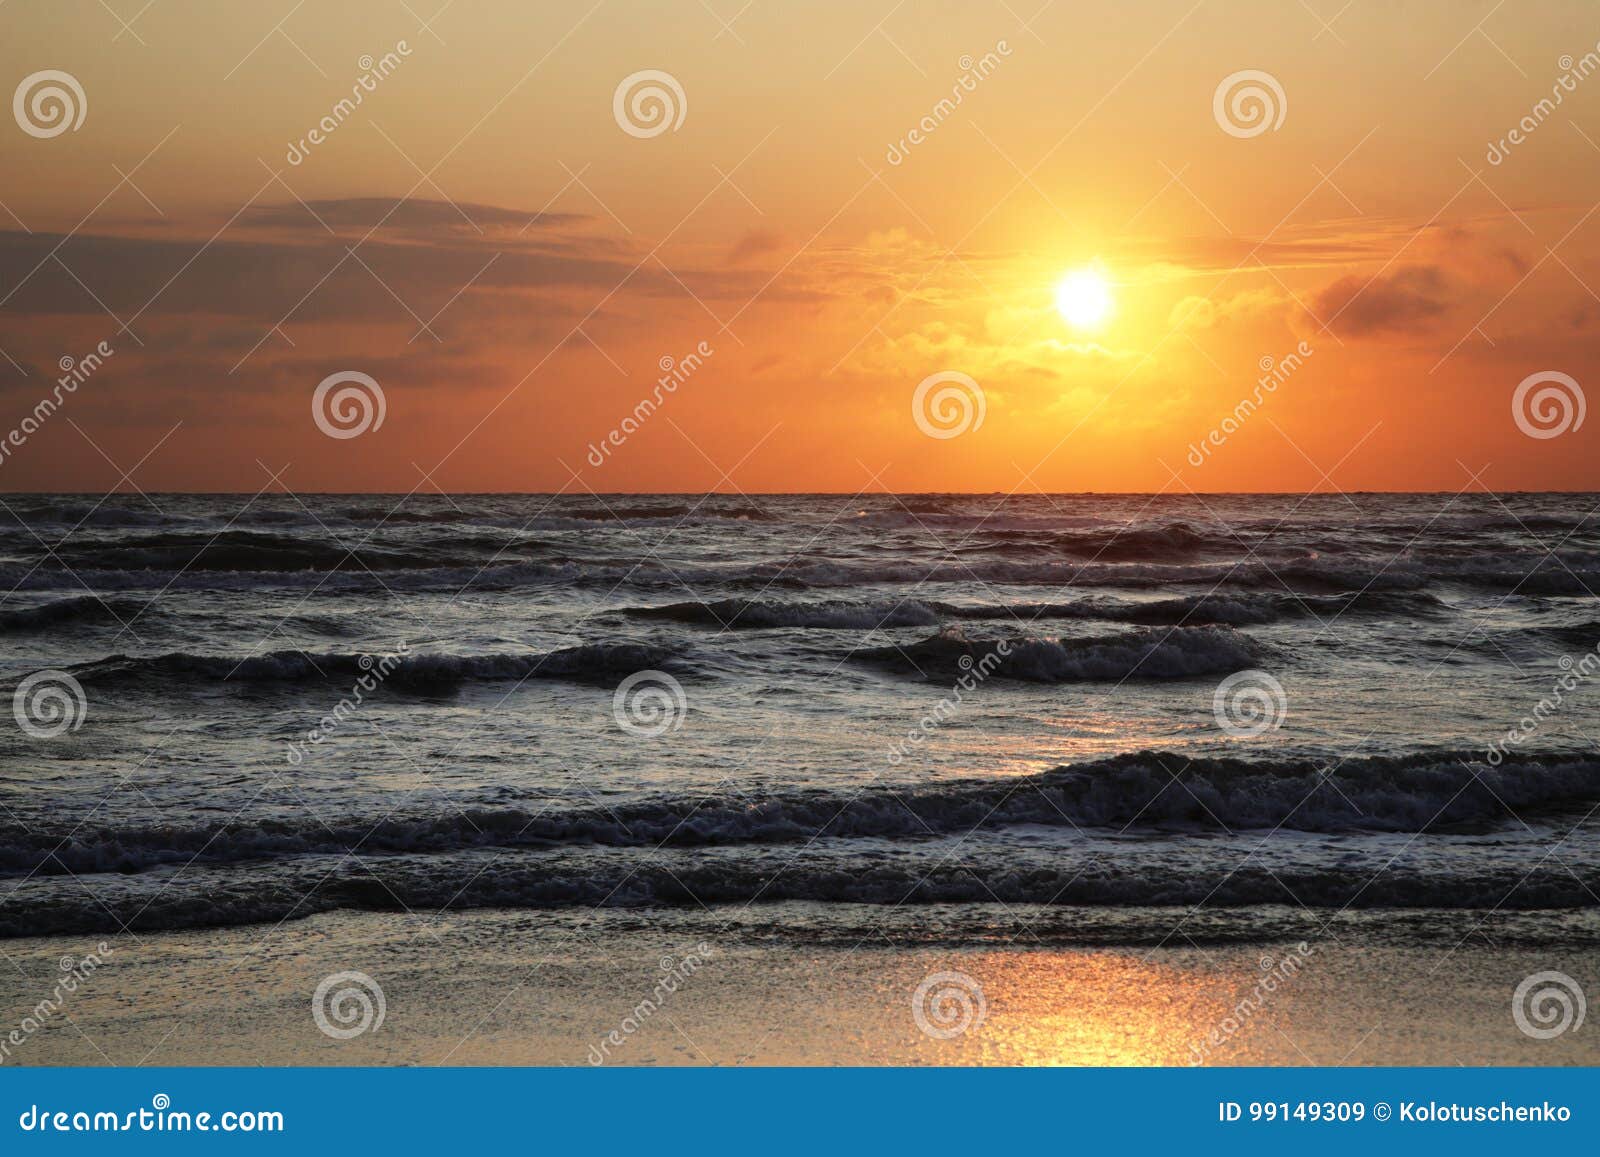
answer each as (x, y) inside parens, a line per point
(1092, 1008)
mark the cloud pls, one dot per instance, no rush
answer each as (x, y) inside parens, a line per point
(281, 263)
(236, 325)
(1402, 301)
(755, 243)
(1249, 306)
(408, 213)
(1294, 247)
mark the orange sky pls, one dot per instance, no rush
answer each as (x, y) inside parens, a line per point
(485, 241)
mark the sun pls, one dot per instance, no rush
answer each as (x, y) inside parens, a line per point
(1083, 298)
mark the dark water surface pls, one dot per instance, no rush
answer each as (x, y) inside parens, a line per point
(913, 700)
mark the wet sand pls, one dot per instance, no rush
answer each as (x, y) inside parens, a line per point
(498, 988)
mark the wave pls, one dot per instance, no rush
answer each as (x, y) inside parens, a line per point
(245, 550)
(97, 514)
(1584, 636)
(87, 609)
(271, 561)
(1196, 610)
(836, 614)
(1243, 610)
(929, 516)
(585, 662)
(1145, 792)
(1130, 544)
(553, 515)
(1096, 899)
(1157, 543)
(1178, 653)
(1559, 580)
(1319, 576)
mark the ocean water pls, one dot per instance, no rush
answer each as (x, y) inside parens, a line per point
(1112, 718)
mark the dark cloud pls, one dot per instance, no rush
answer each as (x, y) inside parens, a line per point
(317, 278)
(1515, 261)
(1404, 300)
(755, 243)
(412, 213)
(1292, 250)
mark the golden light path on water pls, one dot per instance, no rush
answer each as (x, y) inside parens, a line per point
(1092, 1008)
(853, 1000)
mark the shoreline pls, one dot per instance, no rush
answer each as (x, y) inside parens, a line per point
(505, 987)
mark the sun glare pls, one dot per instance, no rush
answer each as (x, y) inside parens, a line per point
(1083, 298)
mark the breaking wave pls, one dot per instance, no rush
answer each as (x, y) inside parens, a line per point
(1178, 653)
(1148, 791)
(592, 661)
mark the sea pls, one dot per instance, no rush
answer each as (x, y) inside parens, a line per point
(1123, 719)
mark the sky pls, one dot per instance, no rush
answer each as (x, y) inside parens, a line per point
(831, 204)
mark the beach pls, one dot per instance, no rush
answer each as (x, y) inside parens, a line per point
(1097, 765)
(496, 987)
